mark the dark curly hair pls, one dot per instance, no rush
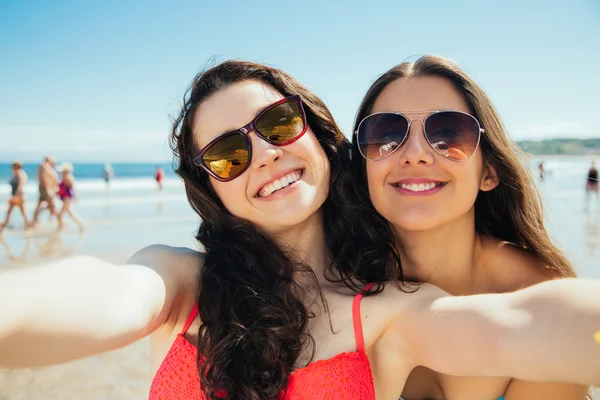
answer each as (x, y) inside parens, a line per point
(253, 319)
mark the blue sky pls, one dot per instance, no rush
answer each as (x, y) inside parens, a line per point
(97, 80)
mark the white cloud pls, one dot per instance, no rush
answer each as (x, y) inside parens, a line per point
(556, 129)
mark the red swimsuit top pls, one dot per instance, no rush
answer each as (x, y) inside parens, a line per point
(345, 376)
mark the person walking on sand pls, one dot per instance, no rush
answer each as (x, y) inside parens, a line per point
(66, 192)
(17, 199)
(159, 176)
(48, 186)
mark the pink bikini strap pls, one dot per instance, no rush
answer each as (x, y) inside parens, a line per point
(190, 319)
(356, 320)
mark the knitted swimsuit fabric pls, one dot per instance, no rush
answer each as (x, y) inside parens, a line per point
(345, 376)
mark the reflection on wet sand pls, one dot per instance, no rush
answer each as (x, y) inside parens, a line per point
(45, 248)
(54, 246)
(592, 233)
(21, 257)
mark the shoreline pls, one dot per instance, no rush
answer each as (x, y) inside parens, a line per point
(589, 156)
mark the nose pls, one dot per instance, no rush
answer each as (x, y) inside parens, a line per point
(416, 149)
(263, 152)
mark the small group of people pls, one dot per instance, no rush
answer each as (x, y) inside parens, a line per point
(49, 187)
(412, 262)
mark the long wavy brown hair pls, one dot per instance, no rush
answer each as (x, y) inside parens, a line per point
(511, 212)
(253, 319)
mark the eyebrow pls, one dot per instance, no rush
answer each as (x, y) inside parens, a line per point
(423, 111)
(253, 118)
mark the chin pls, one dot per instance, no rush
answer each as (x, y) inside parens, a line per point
(279, 225)
(414, 222)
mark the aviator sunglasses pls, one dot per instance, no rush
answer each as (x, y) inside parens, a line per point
(229, 155)
(454, 135)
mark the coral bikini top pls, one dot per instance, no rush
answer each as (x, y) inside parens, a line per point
(345, 376)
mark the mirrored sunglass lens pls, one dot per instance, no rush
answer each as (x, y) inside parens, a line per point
(282, 123)
(381, 134)
(454, 135)
(227, 157)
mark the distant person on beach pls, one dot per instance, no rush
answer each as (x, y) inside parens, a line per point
(592, 178)
(591, 185)
(17, 194)
(292, 272)
(108, 173)
(47, 187)
(159, 176)
(541, 171)
(66, 192)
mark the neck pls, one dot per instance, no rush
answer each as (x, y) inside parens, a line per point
(443, 256)
(307, 240)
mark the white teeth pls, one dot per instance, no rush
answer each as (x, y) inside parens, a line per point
(418, 187)
(279, 184)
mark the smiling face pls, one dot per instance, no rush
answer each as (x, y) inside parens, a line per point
(284, 185)
(415, 188)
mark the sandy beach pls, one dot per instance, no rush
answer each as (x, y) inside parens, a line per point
(120, 374)
(120, 222)
(114, 236)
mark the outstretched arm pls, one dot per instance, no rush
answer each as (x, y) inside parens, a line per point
(81, 306)
(541, 333)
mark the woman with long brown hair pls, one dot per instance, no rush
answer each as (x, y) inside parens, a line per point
(433, 157)
(272, 307)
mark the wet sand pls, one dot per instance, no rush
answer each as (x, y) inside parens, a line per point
(120, 374)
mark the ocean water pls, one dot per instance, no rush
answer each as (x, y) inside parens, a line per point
(573, 222)
(134, 196)
(91, 171)
(131, 193)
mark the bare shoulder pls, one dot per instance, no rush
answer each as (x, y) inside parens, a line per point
(406, 292)
(397, 322)
(164, 251)
(179, 267)
(398, 303)
(181, 262)
(510, 267)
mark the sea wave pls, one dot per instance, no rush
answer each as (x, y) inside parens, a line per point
(100, 186)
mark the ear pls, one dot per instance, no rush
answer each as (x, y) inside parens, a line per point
(489, 179)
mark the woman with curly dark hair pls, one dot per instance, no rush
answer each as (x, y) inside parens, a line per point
(272, 307)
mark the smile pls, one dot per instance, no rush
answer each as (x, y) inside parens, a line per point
(418, 187)
(280, 183)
